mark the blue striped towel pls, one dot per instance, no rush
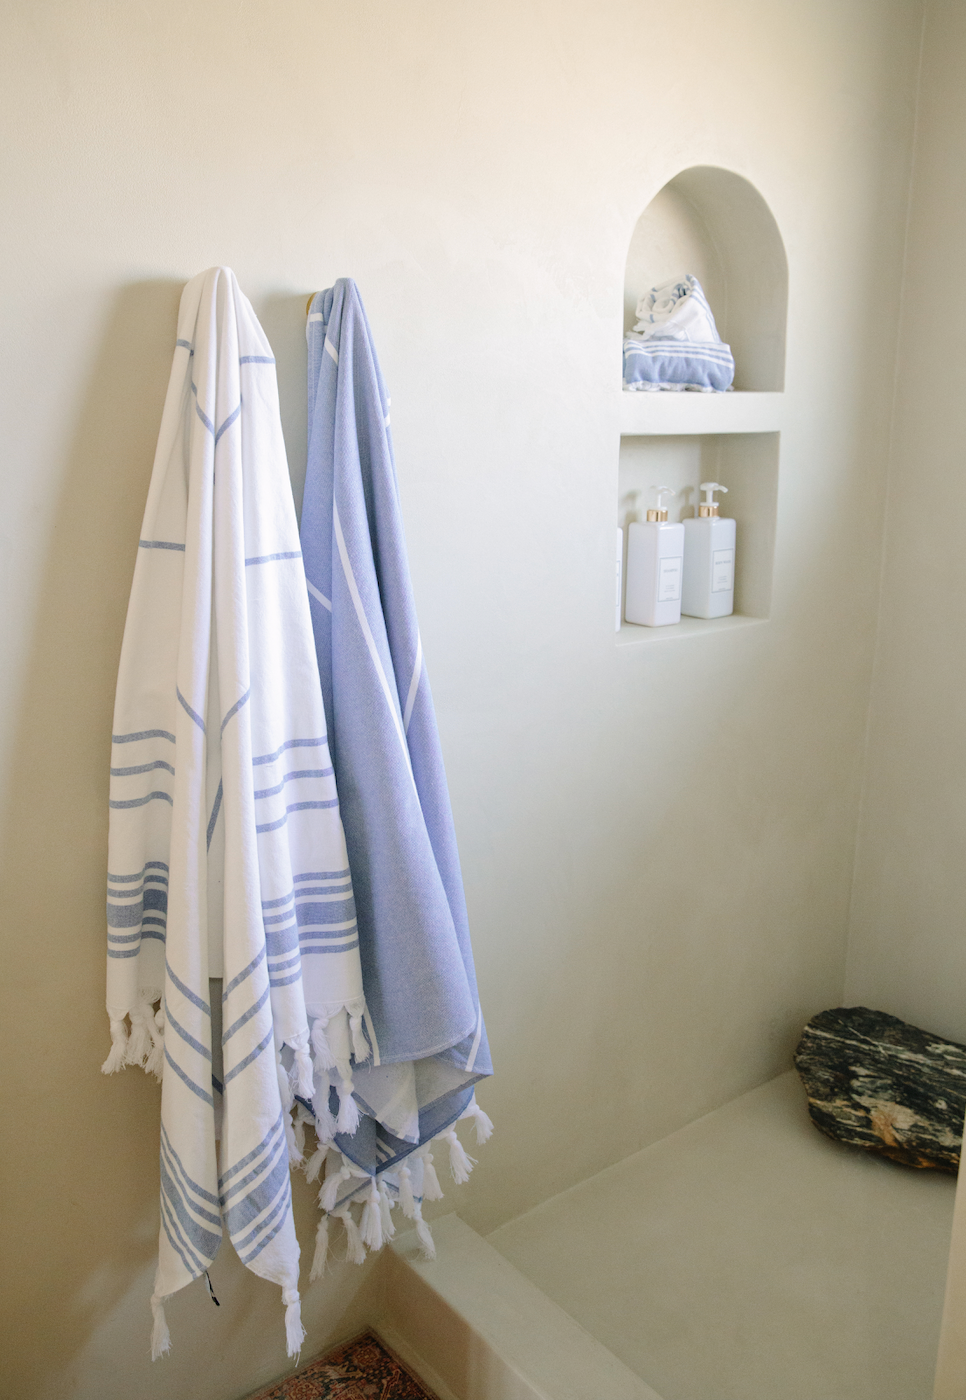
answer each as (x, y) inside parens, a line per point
(428, 1041)
(675, 343)
(227, 858)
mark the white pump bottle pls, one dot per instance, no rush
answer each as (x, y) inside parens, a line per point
(709, 559)
(655, 561)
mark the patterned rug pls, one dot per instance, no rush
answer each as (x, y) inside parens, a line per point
(359, 1370)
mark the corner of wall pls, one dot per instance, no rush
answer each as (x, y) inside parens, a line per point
(849, 973)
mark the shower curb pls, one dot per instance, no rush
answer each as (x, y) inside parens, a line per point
(473, 1323)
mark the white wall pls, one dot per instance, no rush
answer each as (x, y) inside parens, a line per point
(657, 841)
(908, 950)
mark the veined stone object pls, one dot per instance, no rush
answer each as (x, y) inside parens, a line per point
(877, 1083)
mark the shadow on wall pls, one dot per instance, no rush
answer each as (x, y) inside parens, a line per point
(81, 1197)
(78, 1198)
(282, 317)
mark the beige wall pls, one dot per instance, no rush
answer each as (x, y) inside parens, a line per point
(908, 949)
(657, 840)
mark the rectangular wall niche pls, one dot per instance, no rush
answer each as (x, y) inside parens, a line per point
(747, 463)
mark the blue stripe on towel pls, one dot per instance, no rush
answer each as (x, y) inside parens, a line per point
(195, 1088)
(295, 807)
(245, 1017)
(148, 865)
(143, 734)
(142, 801)
(142, 768)
(236, 707)
(243, 976)
(272, 558)
(250, 1058)
(264, 1146)
(289, 744)
(189, 711)
(186, 991)
(291, 777)
(199, 1190)
(227, 424)
(185, 1035)
(277, 903)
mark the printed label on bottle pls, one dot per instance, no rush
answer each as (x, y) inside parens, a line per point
(669, 580)
(722, 571)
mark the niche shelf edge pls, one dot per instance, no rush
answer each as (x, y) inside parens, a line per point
(632, 635)
(688, 413)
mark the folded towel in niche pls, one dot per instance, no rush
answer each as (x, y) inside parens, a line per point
(675, 343)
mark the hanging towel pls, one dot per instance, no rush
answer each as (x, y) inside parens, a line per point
(226, 853)
(428, 1041)
(675, 343)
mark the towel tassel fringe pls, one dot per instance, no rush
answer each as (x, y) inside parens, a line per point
(329, 1194)
(160, 1336)
(140, 1042)
(482, 1121)
(424, 1235)
(294, 1331)
(154, 1064)
(460, 1164)
(302, 1121)
(432, 1191)
(355, 1249)
(325, 1125)
(386, 1205)
(302, 1075)
(284, 1087)
(360, 1046)
(315, 1163)
(371, 1227)
(324, 1058)
(406, 1198)
(321, 1249)
(119, 1038)
(348, 1119)
(295, 1157)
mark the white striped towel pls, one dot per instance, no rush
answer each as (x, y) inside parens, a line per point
(227, 857)
(675, 343)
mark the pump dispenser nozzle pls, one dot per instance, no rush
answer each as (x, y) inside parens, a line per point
(661, 512)
(709, 506)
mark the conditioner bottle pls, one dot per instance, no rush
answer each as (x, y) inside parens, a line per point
(655, 561)
(709, 559)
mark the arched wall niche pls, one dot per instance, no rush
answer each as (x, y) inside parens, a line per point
(714, 224)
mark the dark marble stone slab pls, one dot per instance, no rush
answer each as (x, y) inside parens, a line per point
(877, 1083)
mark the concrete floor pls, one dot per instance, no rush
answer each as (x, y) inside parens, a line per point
(746, 1257)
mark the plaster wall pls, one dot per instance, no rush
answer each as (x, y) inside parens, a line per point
(907, 950)
(907, 954)
(657, 841)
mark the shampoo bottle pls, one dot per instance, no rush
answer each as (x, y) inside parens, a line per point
(709, 560)
(655, 560)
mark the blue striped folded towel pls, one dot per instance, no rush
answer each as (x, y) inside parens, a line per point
(675, 344)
